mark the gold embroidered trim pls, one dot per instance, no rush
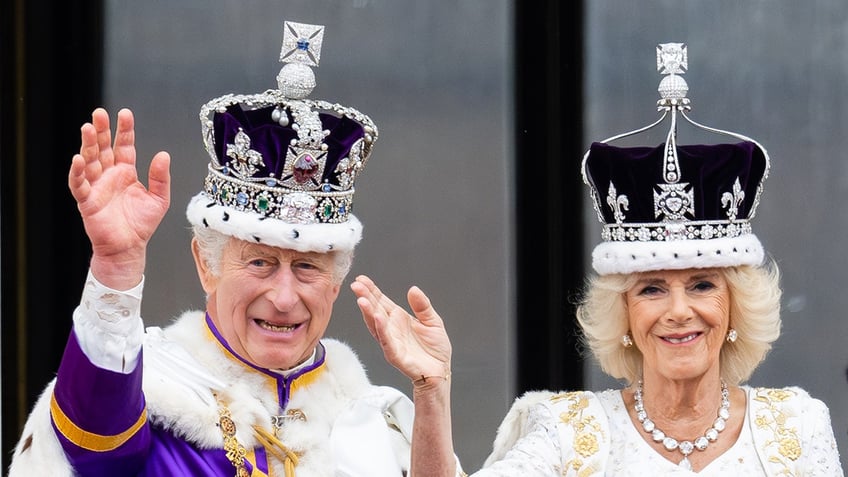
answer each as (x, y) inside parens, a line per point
(587, 431)
(89, 440)
(785, 445)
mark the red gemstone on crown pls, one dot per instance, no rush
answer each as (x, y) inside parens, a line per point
(304, 168)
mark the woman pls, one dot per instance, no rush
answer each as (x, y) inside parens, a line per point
(683, 309)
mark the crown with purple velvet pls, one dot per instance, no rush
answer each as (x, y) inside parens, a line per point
(283, 166)
(673, 206)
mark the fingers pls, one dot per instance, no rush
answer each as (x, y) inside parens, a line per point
(422, 307)
(366, 285)
(96, 138)
(367, 315)
(90, 151)
(366, 301)
(159, 176)
(361, 287)
(96, 147)
(365, 288)
(100, 121)
(377, 308)
(124, 151)
(380, 313)
(96, 144)
(373, 293)
(77, 182)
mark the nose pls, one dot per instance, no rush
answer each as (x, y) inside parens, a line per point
(282, 289)
(680, 309)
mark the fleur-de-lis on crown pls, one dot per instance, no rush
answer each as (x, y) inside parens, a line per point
(733, 200)
(348, 168)
(246, 159)
(617, 203)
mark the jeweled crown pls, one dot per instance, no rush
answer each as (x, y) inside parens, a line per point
(283, 167)
(675, 206)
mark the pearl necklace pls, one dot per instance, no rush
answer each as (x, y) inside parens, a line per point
(685, 447)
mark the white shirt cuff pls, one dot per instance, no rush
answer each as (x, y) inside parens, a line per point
(108, 325)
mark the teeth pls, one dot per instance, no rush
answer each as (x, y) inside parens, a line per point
(269, 326)
(681, 340)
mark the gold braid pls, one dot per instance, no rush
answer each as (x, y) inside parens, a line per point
(277, 449)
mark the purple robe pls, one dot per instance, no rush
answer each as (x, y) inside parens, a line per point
(100, 418)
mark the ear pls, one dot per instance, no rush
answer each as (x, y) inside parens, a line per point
(207, 279)
(336, 289)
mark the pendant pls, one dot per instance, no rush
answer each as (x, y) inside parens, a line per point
(685, 464)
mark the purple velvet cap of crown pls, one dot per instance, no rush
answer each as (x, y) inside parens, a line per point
(282, 171)
(711, 170)
(720, 187)
(272, 140)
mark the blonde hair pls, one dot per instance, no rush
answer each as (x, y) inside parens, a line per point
(754, 314)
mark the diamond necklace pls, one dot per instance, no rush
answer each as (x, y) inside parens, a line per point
(685, 447)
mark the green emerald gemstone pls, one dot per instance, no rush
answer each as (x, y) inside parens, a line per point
(262, 202)
(328, 210)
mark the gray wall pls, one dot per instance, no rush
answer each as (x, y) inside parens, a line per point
(776, 71)
(434, 75)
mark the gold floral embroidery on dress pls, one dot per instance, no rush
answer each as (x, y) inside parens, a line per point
(587, 431)
(785, 441)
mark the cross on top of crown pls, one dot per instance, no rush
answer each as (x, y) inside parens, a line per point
(302, 43)
(672, 58)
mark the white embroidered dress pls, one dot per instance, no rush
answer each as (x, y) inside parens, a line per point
(786, 432)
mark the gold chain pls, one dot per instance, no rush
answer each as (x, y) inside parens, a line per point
(235, 451)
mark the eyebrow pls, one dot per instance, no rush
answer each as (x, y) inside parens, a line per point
(254, 249)
(704, 276)
(261, 250)
(693, 278)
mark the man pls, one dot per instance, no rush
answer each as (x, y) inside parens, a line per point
(250, 387)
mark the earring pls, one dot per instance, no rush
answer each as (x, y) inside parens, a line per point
(732, 335)
(626, 341)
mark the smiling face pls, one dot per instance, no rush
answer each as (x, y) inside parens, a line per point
(271, 305)
(679, 320)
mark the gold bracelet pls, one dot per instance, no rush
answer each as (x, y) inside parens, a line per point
(423, 379)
